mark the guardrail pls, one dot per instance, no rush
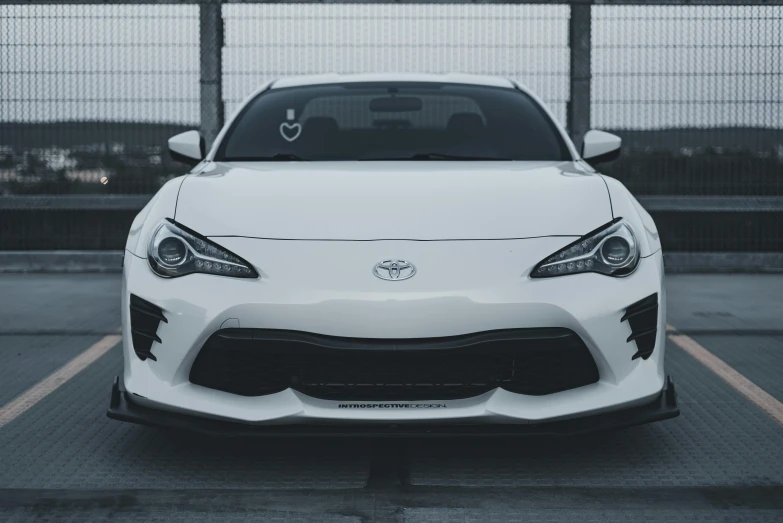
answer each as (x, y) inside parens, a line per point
(688, 225)
(79, 202)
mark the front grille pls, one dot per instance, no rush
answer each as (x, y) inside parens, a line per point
(255, 362)
(145, 318)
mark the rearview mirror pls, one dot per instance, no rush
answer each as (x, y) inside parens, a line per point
(188, 147)
(395, 104)
(599, 147)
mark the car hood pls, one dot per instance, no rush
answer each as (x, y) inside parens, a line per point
(432, 200)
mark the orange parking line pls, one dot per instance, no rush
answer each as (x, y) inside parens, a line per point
(761, 398)
(49, 384)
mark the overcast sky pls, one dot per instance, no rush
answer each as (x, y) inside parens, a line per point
(652, 66)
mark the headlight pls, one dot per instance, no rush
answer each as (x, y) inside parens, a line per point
(175, 250)
(611, 250)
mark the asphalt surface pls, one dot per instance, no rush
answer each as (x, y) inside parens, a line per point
(63, 460)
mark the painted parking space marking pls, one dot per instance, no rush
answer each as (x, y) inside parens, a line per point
(53, 381)
(729, 374)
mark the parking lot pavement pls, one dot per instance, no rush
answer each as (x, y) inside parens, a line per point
(63, 460)
(757, 356)
(29, 359)
(724, 303)
(69, 304)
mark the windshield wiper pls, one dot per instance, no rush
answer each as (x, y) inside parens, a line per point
(438, 156)
(443, 156)
(279, 157)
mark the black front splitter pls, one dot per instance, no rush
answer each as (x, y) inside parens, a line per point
(122, 408)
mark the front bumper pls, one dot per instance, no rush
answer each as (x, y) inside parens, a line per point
(664, 406)
(441, 301)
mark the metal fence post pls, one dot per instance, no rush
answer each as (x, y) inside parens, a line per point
(579, 44)
(211, 61)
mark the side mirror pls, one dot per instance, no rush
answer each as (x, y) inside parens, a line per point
(599, 147)
(188, 147)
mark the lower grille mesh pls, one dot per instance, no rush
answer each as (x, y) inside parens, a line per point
(256, 362)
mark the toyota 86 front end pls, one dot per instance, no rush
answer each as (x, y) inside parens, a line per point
(393, 254)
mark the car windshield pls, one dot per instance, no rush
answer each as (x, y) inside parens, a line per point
(393, 121)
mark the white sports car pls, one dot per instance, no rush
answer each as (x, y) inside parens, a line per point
(393, 254)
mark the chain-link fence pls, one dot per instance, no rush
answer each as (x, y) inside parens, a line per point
(92, 92)
(697, 94)
(528, 43)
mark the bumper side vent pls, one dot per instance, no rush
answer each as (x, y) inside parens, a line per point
(642, 316)
(145, 318)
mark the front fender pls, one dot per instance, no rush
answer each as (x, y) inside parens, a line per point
(163, 205)
(626, 206)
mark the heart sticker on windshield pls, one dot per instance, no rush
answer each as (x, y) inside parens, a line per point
(290, 131)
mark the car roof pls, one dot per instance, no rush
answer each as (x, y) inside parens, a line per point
(454, 78)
